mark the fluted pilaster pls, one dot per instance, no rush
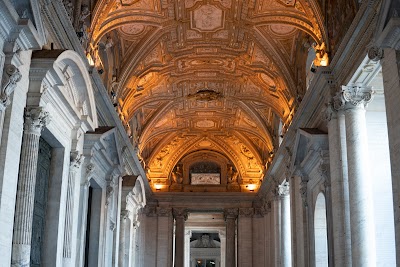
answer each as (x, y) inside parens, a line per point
(35, 120)
(75, 164)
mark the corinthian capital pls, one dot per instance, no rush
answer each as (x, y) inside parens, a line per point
(283, 189)
(180, 213)
(35, 120)
(375, 53)
(11, 77)
(357, 96)
(231, 213)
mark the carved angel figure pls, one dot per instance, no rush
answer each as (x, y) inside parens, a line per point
(177, 176)
(232, 175)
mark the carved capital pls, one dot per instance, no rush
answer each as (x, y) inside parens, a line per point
(329, 112)
(180, 213)
(357, 96)
(11, 77)
(284, 189)
(231, 213)
(246, 212)
(76, 160)
(150, 210)
(338, 102)
(375, 53)
(35, 120)
(164, 212)
(89, 169)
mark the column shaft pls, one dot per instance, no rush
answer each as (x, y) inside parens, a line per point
(337, 189)
(345, 188)
(286, 232)
(361, 212)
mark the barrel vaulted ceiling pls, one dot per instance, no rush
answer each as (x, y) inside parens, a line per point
(206, 79)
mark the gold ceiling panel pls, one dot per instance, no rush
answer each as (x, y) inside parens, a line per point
(205, 79)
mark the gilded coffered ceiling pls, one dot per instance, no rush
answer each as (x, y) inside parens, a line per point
(205, 80)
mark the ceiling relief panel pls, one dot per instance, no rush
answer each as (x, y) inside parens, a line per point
(204, 81)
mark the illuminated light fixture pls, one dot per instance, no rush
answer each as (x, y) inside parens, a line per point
(251, 187)
(158, 187)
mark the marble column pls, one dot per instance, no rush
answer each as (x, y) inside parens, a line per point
(76, 161)
(35, 119)
(180, 215)
(338, 186)
(230, 216)
(286, 245)
(9, 82)
(354, 100)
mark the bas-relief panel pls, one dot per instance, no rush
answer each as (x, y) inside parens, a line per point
(205, 178)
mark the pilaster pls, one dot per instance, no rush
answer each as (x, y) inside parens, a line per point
(76, 160)
(180, 215)
(35, 120)
(230, 216)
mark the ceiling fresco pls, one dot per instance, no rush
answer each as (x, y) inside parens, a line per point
(205, 80)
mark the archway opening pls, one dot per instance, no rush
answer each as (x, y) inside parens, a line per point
(320, 232)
